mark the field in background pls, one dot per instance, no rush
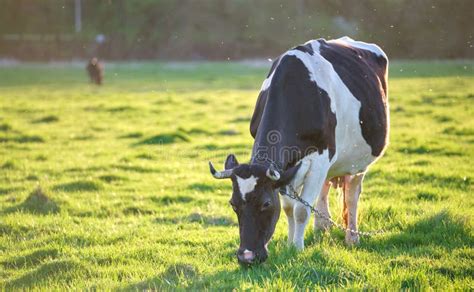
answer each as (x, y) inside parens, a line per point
(109, 187)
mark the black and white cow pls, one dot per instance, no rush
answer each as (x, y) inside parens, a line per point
(322, 116)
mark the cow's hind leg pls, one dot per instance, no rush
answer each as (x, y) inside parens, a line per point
(321, 221)
(352, 191)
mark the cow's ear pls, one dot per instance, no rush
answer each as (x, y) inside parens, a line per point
(287, 176)
(231, 162)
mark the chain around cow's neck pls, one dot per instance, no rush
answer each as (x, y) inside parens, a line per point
(264, 158)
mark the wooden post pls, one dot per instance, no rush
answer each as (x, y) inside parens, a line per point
(77, 16)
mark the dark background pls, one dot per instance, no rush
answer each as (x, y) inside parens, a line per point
(224, 29)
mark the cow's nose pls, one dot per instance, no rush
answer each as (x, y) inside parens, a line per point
(246, 256)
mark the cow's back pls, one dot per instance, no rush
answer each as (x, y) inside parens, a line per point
(352, 76)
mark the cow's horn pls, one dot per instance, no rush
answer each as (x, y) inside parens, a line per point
(219, 174)
(272, 173)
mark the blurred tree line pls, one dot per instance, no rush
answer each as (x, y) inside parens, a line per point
(229, 29)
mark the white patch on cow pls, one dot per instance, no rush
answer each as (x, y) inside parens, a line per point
(314, 44)
(300, 175)
(266, 83)
(246, 185)
(361, 45)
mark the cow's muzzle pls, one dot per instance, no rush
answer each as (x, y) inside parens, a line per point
(248, 257)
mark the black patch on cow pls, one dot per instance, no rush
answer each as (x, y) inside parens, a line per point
(258, 111)
(299, 110)
(305, 48)
(364, 74)
(261, 100)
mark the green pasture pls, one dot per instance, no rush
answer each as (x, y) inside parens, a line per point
(109, 187)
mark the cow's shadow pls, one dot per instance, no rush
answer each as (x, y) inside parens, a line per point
(442, 229)
(278, 267)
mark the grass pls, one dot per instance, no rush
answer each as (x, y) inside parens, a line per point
(109, 188)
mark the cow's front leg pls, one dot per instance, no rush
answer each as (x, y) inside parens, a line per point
(313, 185)
(321, 221)
(352, 191)
(288, 208)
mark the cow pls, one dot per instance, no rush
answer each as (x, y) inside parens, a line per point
(95, 69)
(321, 118)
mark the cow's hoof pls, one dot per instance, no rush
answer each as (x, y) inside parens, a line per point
(351, 238)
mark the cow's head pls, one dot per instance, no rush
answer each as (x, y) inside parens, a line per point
(255, 201)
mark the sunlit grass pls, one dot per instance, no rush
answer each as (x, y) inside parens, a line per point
(109, 188)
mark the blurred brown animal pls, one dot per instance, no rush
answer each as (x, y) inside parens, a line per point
(95, 70)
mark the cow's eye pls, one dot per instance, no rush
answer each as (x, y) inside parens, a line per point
(266, 205)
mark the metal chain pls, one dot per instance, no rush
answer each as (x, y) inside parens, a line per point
(266, 159)
(294, 195)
